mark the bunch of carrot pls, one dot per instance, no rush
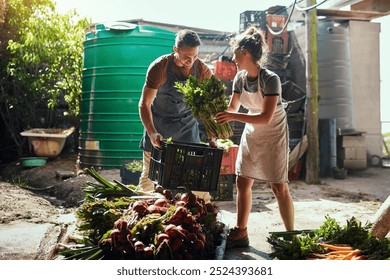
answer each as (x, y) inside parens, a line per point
(339, 252)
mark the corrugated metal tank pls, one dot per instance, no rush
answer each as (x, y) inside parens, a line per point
(116, 58)
(334, 75)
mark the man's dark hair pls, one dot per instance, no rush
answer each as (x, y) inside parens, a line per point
(187, 38)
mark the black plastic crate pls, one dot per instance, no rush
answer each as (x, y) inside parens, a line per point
(190, 165)
(293, 96)
(225, 188)
(296, 124)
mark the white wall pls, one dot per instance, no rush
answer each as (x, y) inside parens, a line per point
(365, 76)
(385, 72)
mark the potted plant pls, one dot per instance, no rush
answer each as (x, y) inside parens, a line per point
(339, 173)
(131, 171)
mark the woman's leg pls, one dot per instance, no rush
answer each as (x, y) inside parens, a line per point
(285, 203)
(238, 236)
(244, 200)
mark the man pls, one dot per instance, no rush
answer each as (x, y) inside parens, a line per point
(161, 107)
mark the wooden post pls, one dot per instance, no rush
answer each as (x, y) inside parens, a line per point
(312, 160)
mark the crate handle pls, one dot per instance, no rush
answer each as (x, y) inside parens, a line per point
(193, 161)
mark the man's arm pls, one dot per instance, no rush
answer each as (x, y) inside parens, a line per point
(145, 112)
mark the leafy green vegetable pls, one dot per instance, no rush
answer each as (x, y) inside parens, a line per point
(97, 217)
(205, 99)
(134, 166)
(224, 144)
(354, 234)
(299, 247)
(107, 189)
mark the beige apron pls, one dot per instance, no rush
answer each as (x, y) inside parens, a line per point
(263, 152)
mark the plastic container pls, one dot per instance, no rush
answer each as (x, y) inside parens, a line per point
(228, 165)
(129, 177)
(295, 172)
(293, 96)
(33, 161)
(253, 18)
(276, 22)
(339, 174)
(334, 74)
(295, 123)
(225, 188)
(225, 70)
(278, 44)
(386, 162)
(116, 58)
(190, 165)
(47, 142)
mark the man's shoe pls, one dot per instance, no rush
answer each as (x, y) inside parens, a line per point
(237, 237)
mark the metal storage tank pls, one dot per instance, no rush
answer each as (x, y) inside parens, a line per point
(334, 75)
(116, 58)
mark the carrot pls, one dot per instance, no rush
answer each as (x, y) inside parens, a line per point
(336, 247)
(339, 252)
(354, 253)
(334, 257)
(360, 257)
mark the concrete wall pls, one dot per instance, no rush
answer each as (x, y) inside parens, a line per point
(365, 75)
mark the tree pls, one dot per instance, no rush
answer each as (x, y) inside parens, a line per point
(47, 58)
(43, 65)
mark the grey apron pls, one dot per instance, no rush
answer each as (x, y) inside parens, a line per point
(170, 115)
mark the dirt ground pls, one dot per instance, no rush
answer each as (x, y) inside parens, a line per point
(49, 195)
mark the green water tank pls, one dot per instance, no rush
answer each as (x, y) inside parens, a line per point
(116, 58)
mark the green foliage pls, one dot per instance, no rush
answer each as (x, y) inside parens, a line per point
(205, 99)
(98, 216)
(386, 144)
(135, 166)
(302, 246)
(41, 56)
(46, 60)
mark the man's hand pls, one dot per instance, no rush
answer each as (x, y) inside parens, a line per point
(213, 142)
(156, 139)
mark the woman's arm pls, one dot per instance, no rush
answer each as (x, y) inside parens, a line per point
(232, 114)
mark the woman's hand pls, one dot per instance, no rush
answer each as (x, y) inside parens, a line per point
(224, 117)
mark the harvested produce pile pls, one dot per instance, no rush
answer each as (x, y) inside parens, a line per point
(332, 242)
(143, 226)
(205, 99)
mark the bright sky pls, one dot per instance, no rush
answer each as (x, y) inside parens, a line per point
(219, 15)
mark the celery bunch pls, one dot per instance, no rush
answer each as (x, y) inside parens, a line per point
(205, 99)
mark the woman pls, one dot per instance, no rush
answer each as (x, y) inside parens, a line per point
(263, 152)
